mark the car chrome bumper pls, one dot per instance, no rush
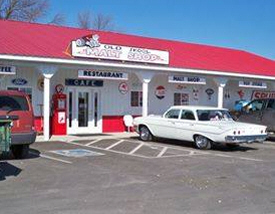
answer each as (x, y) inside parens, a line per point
(245, 139)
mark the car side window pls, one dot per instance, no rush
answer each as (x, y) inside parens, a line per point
(255, 105)
(173, 114)
(271, 104)
(187, 115)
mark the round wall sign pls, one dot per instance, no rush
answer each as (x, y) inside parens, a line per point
(160, 92)
(40, 84)
(123, 88)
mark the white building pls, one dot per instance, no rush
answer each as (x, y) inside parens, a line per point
(107, 75)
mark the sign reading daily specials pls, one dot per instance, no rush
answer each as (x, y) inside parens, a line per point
(263, 95)
(6, 69)
(252, 84)
(186, 80)
(91, 74)
(91, 48)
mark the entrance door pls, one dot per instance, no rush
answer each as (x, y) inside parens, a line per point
(83, 111)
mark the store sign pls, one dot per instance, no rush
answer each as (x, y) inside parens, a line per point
(92, 48)
(186, 80)
(252, 84)
(90, 74)
(19, 81)
(263, 95)
(6, 69)
(83, 82)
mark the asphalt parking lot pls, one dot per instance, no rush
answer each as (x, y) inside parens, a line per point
(125, 175)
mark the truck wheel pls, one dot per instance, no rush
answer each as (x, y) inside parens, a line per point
(20, 151)
(145, 134)
(202, 142)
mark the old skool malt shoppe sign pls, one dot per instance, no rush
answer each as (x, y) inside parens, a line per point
(92, 48)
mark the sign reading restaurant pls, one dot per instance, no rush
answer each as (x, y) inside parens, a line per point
(91, 48)
(91, 74)
(186, 80)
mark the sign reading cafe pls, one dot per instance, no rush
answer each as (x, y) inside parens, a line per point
(92, 48)
(186, 80)
(91, 74)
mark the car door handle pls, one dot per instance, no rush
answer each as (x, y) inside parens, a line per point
(191, 124)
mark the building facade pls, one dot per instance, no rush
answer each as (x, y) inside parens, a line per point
(98, 77)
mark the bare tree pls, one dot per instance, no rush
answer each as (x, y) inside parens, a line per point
(84, 20)
(23, 10)
(103, 22)
(58, 19)
(97, 22)
(27, 10)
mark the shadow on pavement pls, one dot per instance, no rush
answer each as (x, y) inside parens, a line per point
(33, 153)
(7, 169)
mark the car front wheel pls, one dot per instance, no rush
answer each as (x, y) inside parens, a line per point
(202, 142)
(20, 151)
(145, 134)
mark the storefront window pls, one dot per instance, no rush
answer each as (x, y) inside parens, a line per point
(136, 98)
(181, 99)
(23, 89)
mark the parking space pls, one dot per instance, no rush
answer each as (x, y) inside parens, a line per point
(118, 174)
(137, 148)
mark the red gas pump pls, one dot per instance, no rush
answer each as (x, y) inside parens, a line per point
(59, 111)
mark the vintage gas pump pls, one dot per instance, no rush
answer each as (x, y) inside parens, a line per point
(59, 111)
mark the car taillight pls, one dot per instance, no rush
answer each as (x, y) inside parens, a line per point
(234, 133)
(239, 132)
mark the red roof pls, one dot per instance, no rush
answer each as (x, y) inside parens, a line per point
(28, 39)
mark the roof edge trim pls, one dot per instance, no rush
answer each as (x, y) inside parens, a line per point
(130, 66)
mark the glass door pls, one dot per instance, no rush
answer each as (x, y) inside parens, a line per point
(84, 114)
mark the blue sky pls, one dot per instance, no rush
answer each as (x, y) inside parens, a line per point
(242, 24)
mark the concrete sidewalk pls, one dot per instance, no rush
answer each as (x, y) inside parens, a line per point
(69, 138)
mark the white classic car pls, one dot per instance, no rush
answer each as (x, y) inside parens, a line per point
(202, 125)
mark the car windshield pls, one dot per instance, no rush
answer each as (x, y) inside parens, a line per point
(13, 103)
(214, 115)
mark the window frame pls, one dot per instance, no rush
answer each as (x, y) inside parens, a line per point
(189, 111)
(179, 113)
(139, 98)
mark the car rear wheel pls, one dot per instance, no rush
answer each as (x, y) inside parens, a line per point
(202, 142)
(145, 134)
(20, 151)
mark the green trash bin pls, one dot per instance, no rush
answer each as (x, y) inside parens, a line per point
(6, 122)
(5, 135)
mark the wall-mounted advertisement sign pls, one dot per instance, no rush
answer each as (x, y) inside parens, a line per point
(123, 88)
(83, 82)
(263, 95)
(160, 92)
(6, 69)
(19, 81)
(186, 80)
(113, 75)
(92, 48)
(252, 84)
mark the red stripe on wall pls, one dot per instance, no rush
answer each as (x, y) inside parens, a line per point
(113, 124)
